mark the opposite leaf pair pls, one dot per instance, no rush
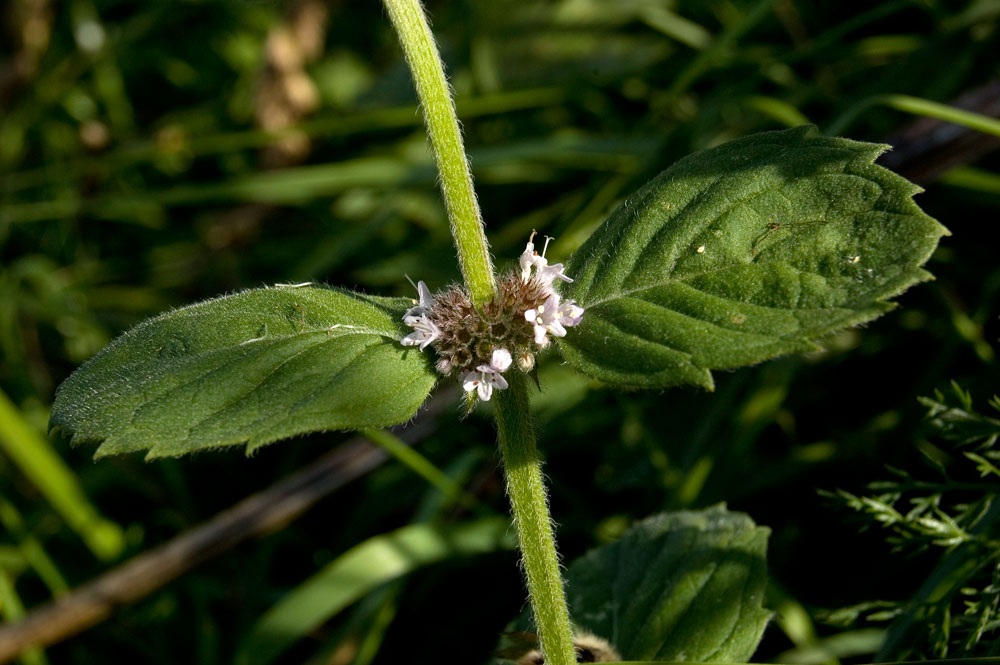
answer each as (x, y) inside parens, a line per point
(734, 255)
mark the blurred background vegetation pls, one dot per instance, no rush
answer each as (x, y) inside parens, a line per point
(153, 154)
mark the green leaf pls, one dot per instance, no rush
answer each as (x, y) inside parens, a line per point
(250, 368)
(743, 252)
(359, 571)
(682, 586)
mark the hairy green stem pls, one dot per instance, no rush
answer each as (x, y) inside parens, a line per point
(516, 434)
(522, 469)
(446, 140)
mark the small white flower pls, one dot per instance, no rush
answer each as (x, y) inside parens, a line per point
(424, 332)
(545, 319)
(486, 377)
(553, 317)
(527, 259)
(545, 273)
(426, 301)
(498, 363)
(570, 313)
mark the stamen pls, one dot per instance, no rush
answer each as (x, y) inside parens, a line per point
(548, 239)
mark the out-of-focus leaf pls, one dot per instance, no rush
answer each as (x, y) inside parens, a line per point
(358, 571)
(30, 550)
(12, 610)
(683, 586)
(254, 367)
(48, 472)
(741, 253)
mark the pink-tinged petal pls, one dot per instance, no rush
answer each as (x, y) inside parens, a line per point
(424, 294)
(501, 360)
(485, 391)
(425, 302)
(527, 260)
(555, 271)
(570, 313)
(414, 312)
(500, 382)
(540, 335)
(424, 332)
(556, 329)
(530, 316)
(470, 381)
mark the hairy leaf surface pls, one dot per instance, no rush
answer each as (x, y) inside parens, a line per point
(250, 368)
(743, 252)
(682, 586)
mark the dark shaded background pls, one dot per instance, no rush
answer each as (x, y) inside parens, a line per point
(152, 154)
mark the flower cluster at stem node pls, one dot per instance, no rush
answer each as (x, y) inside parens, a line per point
(479, 345)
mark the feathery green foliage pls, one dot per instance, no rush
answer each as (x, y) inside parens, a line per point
(951, 517)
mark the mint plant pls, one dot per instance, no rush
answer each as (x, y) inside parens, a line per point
(734, 255)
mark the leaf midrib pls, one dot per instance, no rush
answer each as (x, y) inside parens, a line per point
(684, 280)
(710, 188)
(270, 373)
(699, 197)
(265, 378)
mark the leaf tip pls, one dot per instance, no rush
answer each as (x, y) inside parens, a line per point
(709, 382)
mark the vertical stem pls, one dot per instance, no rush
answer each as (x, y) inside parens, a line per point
(517, 436)
(522, 469)
(446, 140)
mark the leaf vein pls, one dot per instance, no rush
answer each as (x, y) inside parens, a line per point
(252, 389)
